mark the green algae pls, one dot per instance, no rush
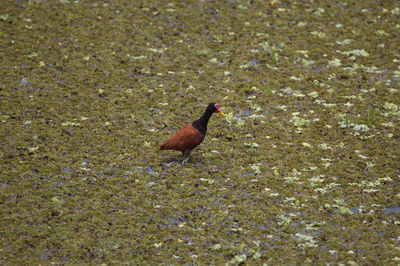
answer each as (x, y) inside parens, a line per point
(302, 170)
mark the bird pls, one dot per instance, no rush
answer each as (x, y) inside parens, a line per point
(190, 136)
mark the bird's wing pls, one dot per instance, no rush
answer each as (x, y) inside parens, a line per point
(187, 138)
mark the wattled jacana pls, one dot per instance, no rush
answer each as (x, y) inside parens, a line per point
(191, 135)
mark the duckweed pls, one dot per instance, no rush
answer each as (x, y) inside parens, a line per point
(89, 90)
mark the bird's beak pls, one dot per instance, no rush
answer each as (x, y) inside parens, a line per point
(219, 110)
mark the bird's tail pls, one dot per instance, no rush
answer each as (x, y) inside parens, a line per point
(166, 145)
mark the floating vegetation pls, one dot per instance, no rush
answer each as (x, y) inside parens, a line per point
(304, 169)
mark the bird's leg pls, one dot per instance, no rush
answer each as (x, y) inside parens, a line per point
(185, 156)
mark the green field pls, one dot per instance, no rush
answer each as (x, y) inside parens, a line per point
(304, 169)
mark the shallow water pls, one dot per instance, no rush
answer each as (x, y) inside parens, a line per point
(303, 170)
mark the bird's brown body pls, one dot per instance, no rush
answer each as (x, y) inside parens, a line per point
(191, 135)
(184, 140)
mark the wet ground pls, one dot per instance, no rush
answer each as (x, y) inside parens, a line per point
(304, 169)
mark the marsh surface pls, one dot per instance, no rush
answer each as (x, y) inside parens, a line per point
(305, 168)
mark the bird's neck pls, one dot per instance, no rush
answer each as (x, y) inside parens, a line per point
(201, 123)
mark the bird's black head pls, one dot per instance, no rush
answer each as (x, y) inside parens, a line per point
(214, 108)
(201, 123)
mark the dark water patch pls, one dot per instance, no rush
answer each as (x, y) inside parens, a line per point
(68, 170)
(255, 62)
(355, 210)
(150, 169)
(252, 174)
(392, 210)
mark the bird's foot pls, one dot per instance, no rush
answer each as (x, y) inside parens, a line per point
(185, 160)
